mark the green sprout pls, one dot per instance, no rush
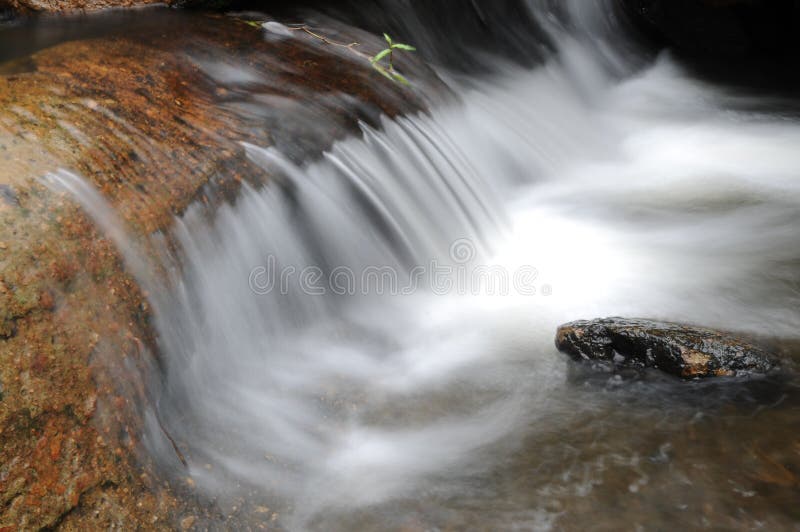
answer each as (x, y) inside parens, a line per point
(389, 71)
(387, 53)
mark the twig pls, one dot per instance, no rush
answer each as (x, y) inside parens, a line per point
(389, 73)
(324, 39)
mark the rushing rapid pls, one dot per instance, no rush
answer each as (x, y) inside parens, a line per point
(367, 341)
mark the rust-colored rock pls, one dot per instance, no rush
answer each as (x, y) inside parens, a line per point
(682, 350)
(61, 6)
(154, 123)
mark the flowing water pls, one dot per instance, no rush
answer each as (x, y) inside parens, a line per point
(367, 341)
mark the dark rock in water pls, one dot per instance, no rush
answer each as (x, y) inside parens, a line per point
(681, 350)
(6, 13)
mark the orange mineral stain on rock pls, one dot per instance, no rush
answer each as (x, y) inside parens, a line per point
(772, 471)
(695, 363)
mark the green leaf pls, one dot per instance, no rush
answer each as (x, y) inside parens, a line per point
(405, 47)
(254, 23)
(388, 39)
(381, 55)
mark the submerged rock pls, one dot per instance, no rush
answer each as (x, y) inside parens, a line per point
(681, 350)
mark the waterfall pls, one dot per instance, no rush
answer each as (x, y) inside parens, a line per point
(376, 326)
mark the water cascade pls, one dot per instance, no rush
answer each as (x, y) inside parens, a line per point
(370, 335)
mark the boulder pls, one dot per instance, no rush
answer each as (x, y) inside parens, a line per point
(154, 121)
(681, 350)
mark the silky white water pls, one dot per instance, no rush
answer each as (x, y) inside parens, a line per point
(314, 357)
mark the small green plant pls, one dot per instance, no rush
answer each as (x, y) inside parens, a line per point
(388, 53)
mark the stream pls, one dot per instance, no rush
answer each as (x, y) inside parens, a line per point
(366, 342)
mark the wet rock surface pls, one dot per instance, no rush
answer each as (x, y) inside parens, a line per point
(681, 350)
(60, 6)
(154, 121)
